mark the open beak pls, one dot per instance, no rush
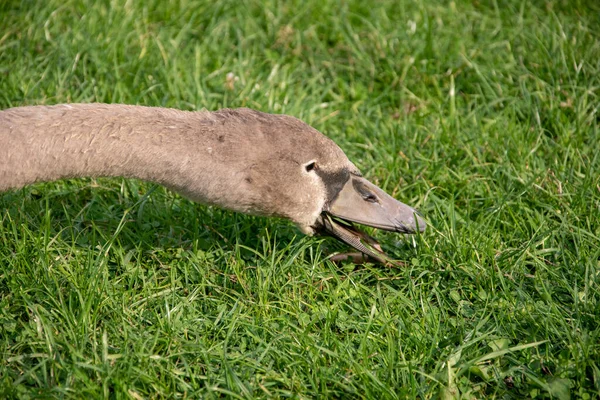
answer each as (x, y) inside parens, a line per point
(362, 202)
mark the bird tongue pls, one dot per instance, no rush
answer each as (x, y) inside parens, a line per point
(362, 242)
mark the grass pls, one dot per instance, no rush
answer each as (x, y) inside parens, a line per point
(482, 114)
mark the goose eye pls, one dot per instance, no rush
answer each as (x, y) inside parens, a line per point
(310, 166)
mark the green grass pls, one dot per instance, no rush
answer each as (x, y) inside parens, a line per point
(482, 114)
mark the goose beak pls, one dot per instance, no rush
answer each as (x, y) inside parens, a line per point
(362, 202)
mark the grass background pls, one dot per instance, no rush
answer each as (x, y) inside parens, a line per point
(483, 114)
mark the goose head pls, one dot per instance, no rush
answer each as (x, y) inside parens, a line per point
(293, 171)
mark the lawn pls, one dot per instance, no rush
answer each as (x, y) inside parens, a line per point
(482, 114)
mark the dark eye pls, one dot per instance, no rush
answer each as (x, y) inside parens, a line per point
(310, 166)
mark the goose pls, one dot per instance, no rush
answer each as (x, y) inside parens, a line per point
(238, 159)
